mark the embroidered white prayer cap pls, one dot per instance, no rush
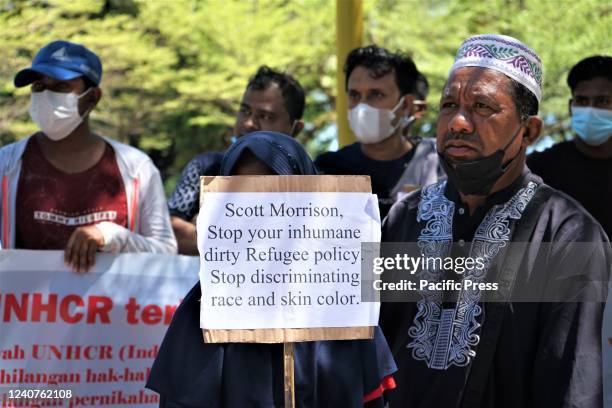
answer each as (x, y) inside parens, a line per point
(504, 54)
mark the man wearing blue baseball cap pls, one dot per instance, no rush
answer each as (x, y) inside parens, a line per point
(76, 190)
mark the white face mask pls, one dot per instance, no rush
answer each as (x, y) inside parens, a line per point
(372, 125)
(56, 113)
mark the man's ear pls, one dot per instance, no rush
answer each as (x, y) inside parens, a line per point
(419, 108)
(298, 125)
(533, 129)
(94, 96)
(407, 105)
(569, 106)
(89, 101)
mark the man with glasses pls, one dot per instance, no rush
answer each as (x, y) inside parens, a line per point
(272, 101)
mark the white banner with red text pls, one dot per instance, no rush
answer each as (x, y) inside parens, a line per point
(90, 340)
(85, 340)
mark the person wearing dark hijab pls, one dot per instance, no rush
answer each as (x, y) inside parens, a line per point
(190, 373)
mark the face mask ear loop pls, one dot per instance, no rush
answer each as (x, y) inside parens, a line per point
(393, 111)
(505, 167)
(399, 103)
(88, 111)
(85, 93)
(293, 128)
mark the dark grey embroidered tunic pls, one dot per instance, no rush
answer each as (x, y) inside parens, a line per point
(546, 354)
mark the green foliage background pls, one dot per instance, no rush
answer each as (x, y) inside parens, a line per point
(174, 70)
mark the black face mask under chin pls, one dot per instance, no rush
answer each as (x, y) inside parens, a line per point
(477, 177)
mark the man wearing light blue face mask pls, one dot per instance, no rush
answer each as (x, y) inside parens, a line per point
(68, 188)
(582, 167)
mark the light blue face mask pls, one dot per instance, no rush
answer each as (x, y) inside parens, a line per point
(592, 125)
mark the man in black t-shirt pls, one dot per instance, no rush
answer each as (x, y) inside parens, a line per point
(381, 87)
(582, 167)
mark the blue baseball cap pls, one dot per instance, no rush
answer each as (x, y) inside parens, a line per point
(62, 60)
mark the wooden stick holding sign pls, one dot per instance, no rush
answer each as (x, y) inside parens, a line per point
(245, 301)
(288, 359)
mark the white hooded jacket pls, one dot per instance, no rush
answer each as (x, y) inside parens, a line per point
(149, 228)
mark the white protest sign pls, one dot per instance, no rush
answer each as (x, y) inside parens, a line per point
(93, 335)
(272, 260)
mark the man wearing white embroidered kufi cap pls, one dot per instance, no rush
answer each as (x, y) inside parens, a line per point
(511, 314)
